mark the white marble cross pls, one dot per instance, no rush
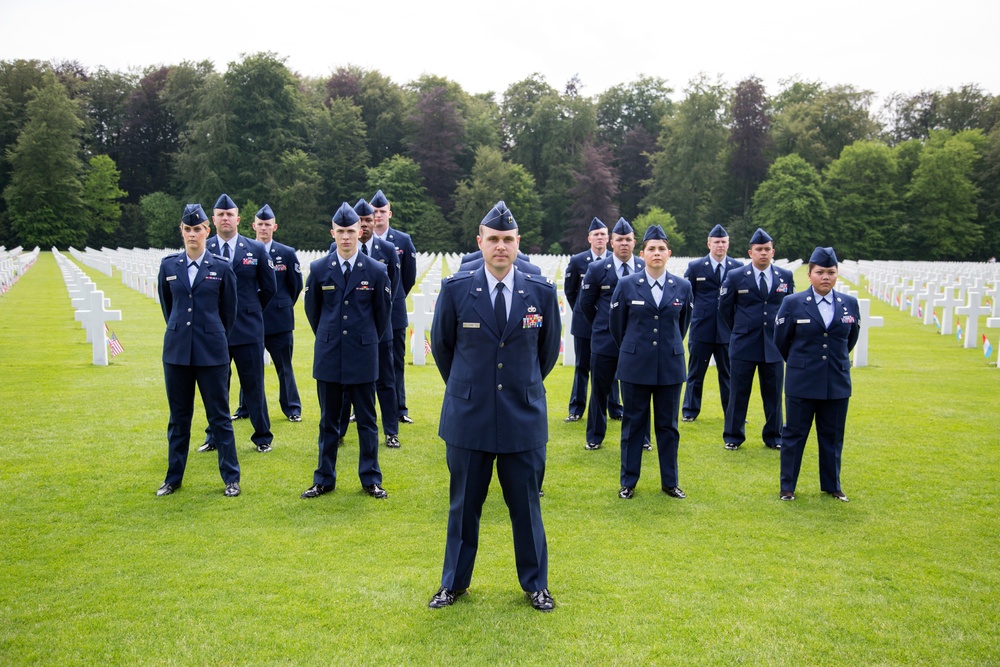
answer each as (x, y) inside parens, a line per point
(867, 321)
(93, 317)
(948, 302)
(972, 311)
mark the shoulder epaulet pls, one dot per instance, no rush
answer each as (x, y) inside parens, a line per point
(460, 275)
(539, 279)
(173, 255)
(217, 256)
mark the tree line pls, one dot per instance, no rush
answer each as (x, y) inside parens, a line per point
(108, 158)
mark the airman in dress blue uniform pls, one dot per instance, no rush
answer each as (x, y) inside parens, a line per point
(256, 287)
(279, 315)
(495, 337)
(595, 302)
(650, 314)
(385, 386)
(198, 297)
(348, 303)
(748, 303)
(709, 335)
(815, 332)
(407, 278)
(576, 269)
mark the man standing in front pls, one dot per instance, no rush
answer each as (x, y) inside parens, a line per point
(580, 327)
(279, 316)
(255, 288)
(748, 303)
(495, 336)
(407, 278)
(347, 302)
(709, 335)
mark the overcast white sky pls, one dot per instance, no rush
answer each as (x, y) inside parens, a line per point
(874, 44)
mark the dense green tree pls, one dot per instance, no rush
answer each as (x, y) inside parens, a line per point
(150, 138)
(592, 194)
(435, 142)
(204, 166)
(295, 186)
(18, 79)
(44, 196)
(184, 89)
(987, 179)
(689, 166)
(383, 107)
(105, 99)
(942, 197)
(337, 141)
(162, 215)
(494, 179)
(749, 138)
(789, 205)
(860, 192)
(657, 216)
(101, 194)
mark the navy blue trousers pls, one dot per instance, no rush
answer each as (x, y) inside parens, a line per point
(331, 401)
(519, 474)
(700, 357)
(635, 429)
(770, 377)
(830, 416)
(213, 383)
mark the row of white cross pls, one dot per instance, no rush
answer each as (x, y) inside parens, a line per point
(963, 289)
(13, 264)
(91, 308)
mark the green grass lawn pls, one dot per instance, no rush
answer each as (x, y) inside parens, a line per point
(95, 570)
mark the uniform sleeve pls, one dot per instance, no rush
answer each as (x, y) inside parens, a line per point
(852, 335)
(684, 320)
(382, 307)
(313, 300)
(444, 331)
(166, 297)
(727, 300)
(548, 348)
(409, 266)
(571, 283)
(267, 286)
(295, 278)
(784, 328)
(618, 315)
(588, 296)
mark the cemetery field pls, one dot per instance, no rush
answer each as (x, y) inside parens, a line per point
(96, 570)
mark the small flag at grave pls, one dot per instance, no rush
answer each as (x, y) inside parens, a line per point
(937, 322)
(987, 348)
(920, 311)
(113, 342)
(427, 346)
(958, 328)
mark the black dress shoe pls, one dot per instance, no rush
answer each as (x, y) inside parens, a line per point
(647, 447)
(392, 441)
(688, 419)
(787, 495)
(541, 494)
(732, 446)
(626, 493)
(236, 417)
(839, 495)
(541, 600)
(167, 489)
(591, 446)
(405, 419)
(674, 492)
(376, 491)
(316, 490)
(617, 418)
(264, 447)
(207, 447)
(341, 442)
(772, 446)
(445, 598)
(353, 419)
(572, 418)
(232, 490)
(294, 418)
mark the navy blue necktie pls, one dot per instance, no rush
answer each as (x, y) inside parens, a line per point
(763, 286)
(624, 270)
(347, 272)
(718, 273)
(225, 251)
(500, 308)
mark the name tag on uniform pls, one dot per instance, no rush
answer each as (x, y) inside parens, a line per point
(605, 286)
(699, 279)
(169, 278)
(327, 288)
(743, 291)
(471, 325)
(803, 321)
(638, 303)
